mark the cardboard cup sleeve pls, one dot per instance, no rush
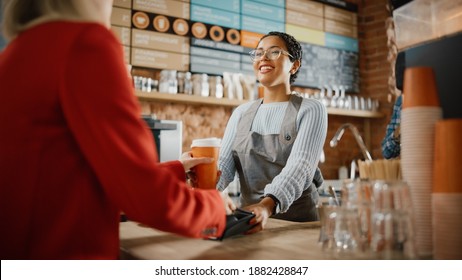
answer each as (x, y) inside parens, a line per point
(447, 176)
(420, 88)
(447, 228)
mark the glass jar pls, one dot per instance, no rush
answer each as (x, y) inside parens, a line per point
(164, 82)
(205, 88)
(216, 86)
(188, 85)
(180, 79)
(172, 82)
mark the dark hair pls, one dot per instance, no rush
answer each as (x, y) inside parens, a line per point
(293, 47)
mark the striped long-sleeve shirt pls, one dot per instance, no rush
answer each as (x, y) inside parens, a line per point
(301, 165)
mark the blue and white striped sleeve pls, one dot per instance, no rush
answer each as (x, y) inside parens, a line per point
(304, 157)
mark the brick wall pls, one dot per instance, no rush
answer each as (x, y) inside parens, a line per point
(208, 121)
(374, 71)
(198, 121)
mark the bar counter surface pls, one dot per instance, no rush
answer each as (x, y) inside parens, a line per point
(281, 240)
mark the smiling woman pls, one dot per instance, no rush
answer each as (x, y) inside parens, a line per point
(275, 143)
(279, 43)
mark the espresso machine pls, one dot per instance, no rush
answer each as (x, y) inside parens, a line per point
(168, 137)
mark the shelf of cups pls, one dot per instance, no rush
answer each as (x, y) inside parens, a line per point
(200, 100)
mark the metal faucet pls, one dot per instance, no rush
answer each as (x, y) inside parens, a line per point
(338, 135)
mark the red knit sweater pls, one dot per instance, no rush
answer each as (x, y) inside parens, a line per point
(74, 152)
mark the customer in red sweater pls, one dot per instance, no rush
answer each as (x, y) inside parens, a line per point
(73, 149)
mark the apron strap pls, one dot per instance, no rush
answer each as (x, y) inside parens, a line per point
(245, 123)
(240, 170)
(288, 131)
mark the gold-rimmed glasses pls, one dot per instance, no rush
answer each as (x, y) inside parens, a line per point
(272, 53)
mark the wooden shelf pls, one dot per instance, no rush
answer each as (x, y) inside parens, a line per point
(188, 99)
(354, 113)
(200, 100)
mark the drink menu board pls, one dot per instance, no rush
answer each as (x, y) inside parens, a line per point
(326, 66)
(210, 36)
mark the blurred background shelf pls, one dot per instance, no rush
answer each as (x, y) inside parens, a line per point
(188, 99)
(355, 113)
(200, 100)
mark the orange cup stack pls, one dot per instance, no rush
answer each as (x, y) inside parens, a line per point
(421, 111)
(447, 190)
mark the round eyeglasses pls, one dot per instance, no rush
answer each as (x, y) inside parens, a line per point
(272, 53)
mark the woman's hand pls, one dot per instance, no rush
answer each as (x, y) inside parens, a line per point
(262, 210)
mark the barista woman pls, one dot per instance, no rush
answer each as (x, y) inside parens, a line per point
(275, 143)
(73, 149)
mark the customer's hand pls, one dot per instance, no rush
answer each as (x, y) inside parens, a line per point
(189, 162)
(262, 213)
(228, 203)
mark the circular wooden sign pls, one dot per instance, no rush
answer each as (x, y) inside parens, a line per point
(233, 36)
(161, 23)
(199, 30)
(180, 27)
(140, 20)
(216, 33)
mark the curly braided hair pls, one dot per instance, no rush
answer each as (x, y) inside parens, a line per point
(293, 47)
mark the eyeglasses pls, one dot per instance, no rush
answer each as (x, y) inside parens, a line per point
(272, 53)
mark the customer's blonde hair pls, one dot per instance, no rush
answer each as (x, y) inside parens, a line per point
(18, 14)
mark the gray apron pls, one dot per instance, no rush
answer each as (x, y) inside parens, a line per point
(259, 158)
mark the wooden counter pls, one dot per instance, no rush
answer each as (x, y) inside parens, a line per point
(280, 240)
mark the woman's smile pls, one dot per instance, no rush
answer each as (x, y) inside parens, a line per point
(265, 68)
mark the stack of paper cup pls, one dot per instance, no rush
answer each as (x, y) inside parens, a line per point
(420, 112)
(447, 190)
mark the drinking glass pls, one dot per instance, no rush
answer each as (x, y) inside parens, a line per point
(392, 221)
(352, 224)
(357, 195)
(327, 215)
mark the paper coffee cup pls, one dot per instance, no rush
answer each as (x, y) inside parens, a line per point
(206, 174)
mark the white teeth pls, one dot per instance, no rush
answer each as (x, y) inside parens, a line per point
(266, 68)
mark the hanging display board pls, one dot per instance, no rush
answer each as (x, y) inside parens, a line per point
(326, 66)
(212, 37)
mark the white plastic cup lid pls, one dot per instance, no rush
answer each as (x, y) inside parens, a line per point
(206, 142)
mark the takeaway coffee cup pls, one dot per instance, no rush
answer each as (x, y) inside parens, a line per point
(206, 174)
